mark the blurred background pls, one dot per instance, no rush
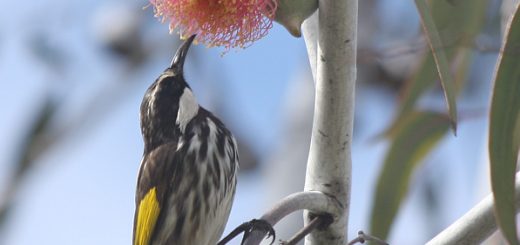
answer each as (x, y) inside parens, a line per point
(73, 74)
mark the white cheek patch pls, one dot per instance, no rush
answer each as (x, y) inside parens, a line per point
(188, 109)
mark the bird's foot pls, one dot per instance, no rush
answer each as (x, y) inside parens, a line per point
(247, 228)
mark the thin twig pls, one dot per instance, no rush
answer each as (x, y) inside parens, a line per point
(362, 238)
(318, 221)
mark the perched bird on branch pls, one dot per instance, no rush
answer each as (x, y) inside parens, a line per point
(187, 177)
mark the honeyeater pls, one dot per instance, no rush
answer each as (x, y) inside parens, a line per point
(187, 178)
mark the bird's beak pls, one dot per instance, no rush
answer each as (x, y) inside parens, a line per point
(177, 64)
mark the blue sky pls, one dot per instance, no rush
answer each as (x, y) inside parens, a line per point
(82, 190)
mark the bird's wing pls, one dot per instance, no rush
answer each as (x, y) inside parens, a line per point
(146, 218)
(153, 184)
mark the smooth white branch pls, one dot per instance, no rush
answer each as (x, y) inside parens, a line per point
(310, 34)
(476, 225)
(329, 165)
(314, 201)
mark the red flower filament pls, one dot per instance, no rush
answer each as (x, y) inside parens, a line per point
(228, 23)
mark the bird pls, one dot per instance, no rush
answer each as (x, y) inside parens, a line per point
(188, 174)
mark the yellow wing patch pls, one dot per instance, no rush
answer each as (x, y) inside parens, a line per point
(147, 218)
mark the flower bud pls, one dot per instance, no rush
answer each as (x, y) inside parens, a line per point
(292, 13)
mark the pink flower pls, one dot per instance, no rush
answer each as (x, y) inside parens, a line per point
(228, 23)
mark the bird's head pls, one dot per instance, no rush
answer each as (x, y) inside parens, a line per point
(169, 104)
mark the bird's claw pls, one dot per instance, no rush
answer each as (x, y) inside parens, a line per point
(259, 224)
(247, 228)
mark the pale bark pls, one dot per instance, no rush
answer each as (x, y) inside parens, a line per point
(329, 165)
(476, 225)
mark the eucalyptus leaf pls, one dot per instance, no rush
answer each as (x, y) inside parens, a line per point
(504, 131)
(412, 141)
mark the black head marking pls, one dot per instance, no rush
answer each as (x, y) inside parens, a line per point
(162, 101)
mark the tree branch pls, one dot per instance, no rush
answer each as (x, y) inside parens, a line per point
(329, 164)
(310, 34)
(314, 201)
(476, 225)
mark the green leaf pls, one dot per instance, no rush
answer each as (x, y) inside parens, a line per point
(504, 131)
(418, 134)
(458, 23)
(436, 46)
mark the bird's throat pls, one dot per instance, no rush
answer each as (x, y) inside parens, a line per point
(188, 109)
